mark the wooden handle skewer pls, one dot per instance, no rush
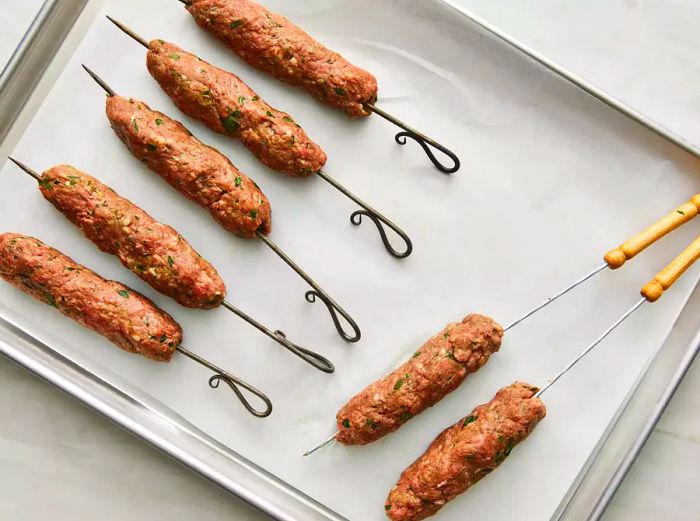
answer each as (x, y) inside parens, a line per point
(617, 257)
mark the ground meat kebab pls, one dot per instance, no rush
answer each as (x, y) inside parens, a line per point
(115, 311)
(225, 104)
(157, 253)
(465, 452)
(434, 371)
(198, 171)
(275, 45)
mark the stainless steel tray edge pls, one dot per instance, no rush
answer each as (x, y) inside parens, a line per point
(164, 429)
(605, 470)
(33, 55)
(579, 82)
(176, 437)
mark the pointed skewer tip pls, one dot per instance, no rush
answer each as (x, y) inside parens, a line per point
(25, 168)
(99, 81)
(320, 445)
(128, 31)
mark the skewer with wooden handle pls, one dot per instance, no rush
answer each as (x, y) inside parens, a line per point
(651, 292)
(617, 257)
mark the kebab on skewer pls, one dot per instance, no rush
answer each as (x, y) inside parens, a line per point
(478, 443)
(207, 177)
(226, 105)
(155, 252)
(446, 359)
(123, 316)
(273, 44)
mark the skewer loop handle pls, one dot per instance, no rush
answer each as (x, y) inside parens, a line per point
(671, 273)
(616, 258)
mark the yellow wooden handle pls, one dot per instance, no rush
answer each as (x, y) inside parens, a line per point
(681, 215)
(671, 273)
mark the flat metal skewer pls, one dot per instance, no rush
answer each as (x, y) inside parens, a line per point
(356, 218)
(310, 357)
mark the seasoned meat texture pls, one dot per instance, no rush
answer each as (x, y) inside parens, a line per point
(199, 172)
(275, 45)
(435, 370)
(225, 104)
(123, 316)
(465, 453)
(154, 251)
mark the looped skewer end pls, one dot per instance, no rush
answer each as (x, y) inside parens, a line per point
(234, 383)
(424, 141)
(401, 140)
(318, 361)
(334, 309)
(379, 221)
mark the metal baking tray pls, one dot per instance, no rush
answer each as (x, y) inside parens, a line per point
(551, 179)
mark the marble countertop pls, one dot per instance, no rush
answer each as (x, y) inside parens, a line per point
(62, 461)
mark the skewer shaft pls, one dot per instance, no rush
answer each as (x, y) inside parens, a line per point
(378, 219)
(544, 304)
(318, 361)
(333, 307)
(129, 32)
(233, 382)
(320, 445)
(592, 346)
(26, 169)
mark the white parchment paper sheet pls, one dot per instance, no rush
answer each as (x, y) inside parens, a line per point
(550, 181)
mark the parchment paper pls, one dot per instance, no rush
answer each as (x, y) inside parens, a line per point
(550, 181)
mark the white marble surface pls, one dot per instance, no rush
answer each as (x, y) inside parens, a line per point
(62, 461)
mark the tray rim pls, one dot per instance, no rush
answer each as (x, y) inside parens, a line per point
(156, 423)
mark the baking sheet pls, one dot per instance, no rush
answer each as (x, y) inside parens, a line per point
(550, 181)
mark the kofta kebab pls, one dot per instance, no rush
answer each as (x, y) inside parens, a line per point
(478, 443)
(462, 348)
(155, 252)
(123, 316)
(226, 105)
(204, 175)
(273, 44)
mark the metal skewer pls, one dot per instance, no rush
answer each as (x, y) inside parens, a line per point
(356, 218)
(651, 292)
(409, 132)
(233, 382)
(318, 361)
(333, 307)
(424, 141)
(617, 257)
